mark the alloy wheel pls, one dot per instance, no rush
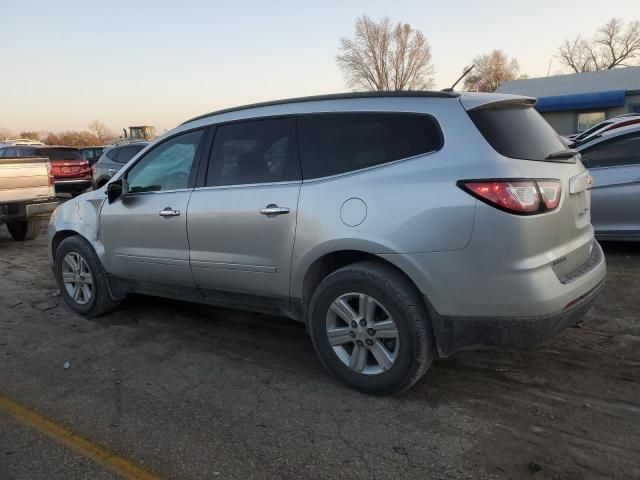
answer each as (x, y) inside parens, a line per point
(362, 333)
(77, 278)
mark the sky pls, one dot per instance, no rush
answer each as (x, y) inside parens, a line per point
(66, 63)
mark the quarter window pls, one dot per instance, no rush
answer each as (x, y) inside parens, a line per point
(167, 166)
(252, 152)
(613, 153)
(127, 153)
(343, 142)
(111, 154)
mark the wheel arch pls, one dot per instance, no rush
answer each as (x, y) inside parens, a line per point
(58, 238)
(330, 261)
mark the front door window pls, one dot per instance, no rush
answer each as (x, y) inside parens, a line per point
(167, 166)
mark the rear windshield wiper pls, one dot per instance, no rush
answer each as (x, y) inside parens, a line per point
(562, 154)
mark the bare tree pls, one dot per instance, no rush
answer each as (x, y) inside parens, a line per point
(615, 45)
(33, 134)
(383, 57)
(490, 71)
(100, 130)
(5, 133)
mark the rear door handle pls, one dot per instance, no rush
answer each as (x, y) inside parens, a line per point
(273, 210)
(168, 212)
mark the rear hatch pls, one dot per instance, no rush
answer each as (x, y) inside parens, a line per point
(66, 163)
(518, 132)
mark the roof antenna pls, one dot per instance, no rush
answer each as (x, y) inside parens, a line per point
(466, 72)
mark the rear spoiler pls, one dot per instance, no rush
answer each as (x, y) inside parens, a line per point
(479, 101)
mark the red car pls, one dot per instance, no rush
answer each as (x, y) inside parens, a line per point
(70, 169)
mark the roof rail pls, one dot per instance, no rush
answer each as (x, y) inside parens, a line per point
(334, 96)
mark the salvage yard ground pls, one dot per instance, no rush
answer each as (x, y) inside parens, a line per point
(167, 389)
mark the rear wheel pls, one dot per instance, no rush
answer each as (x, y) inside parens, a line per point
(370, 328)
(24, 230)
(81, 278)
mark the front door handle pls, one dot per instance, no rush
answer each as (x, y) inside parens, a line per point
(111, 171)
(168, 212)
(273, 210)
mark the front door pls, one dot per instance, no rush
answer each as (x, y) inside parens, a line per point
(242, 223)
(144, 232)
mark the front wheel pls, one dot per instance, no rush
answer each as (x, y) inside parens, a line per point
(370, 328)
(81, 278)
(24, 230)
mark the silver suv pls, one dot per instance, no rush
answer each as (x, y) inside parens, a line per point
(398, 226)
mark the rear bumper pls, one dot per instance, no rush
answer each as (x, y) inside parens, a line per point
(466, 333)
(23, 210)
(66, 186)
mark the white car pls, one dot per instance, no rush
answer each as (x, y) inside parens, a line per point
(607, 125)
(19, 141)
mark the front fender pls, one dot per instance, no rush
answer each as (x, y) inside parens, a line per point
(80, 215)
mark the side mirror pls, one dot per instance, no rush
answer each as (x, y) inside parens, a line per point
(115, 190)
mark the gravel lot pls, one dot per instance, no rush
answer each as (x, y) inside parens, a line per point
(190, 391)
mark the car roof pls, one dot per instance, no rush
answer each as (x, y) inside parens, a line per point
(51, 147)
(608, 135)
(127, 144)
(333, 96)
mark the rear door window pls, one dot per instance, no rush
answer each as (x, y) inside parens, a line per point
(27, 152)
(616, 152)
(334, 143)
(517, 132)
(252, 152)
(112, 154)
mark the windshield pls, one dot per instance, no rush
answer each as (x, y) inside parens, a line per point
(517, 132)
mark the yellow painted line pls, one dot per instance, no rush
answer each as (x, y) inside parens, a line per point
(100, 455)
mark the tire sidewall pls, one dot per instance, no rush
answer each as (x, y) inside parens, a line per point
(340, 283)
(76, 245)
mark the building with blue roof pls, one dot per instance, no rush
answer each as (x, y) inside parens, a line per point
(573, 103)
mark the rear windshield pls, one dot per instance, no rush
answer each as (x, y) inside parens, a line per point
(61, 153)
(517, 132)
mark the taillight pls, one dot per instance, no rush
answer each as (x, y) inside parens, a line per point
(52, 180)
(519, 196)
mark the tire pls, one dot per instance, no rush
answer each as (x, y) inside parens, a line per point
(413, 346)
(99, 301)
(24, 230)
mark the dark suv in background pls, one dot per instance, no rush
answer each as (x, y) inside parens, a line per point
(112, 160)
(70, 169)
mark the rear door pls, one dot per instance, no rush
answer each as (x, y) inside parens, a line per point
(242, 221)
(615, 166)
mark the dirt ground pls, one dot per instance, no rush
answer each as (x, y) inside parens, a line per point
(188, 391)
